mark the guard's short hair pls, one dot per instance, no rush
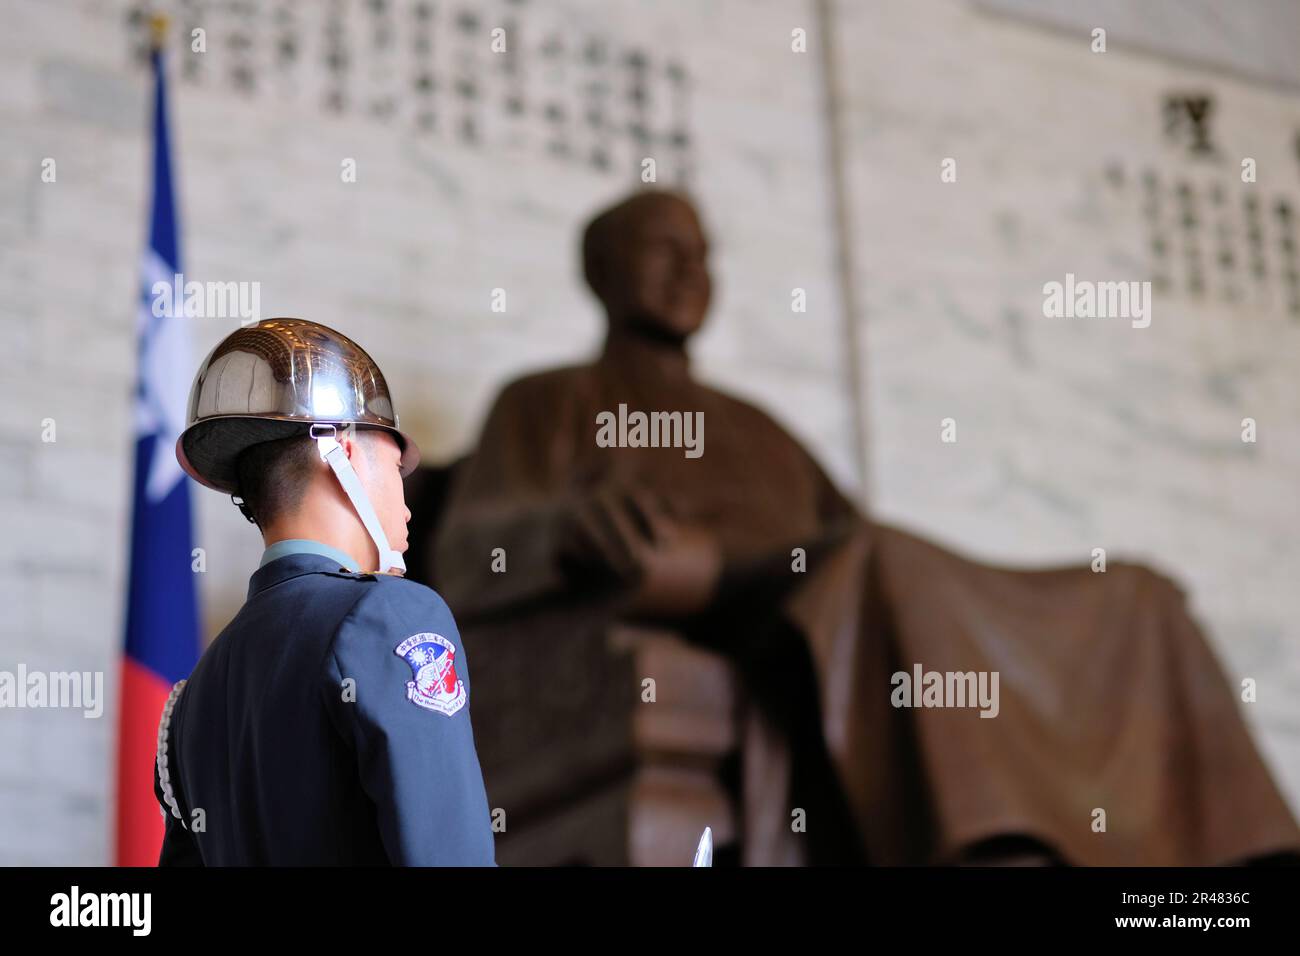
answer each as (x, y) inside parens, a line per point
(273, 476)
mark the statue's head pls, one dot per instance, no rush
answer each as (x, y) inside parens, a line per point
(646, 259)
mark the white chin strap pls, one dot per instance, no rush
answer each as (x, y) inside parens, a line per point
(331, 452)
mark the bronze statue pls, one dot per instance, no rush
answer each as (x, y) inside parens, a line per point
(1106, 732)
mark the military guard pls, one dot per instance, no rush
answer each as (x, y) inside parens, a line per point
(329, 722)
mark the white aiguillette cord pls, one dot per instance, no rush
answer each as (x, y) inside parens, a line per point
(331, 452)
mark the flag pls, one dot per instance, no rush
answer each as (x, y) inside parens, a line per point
(162, 626)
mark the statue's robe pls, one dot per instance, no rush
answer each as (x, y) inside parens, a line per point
(1117, 739)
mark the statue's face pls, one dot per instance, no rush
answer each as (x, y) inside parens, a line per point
(658, 273)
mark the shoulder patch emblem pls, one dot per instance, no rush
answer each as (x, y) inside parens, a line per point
(434, 684)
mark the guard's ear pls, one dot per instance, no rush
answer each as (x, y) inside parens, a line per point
(349, 442)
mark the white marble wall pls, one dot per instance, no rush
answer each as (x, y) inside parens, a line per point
(1074, 434)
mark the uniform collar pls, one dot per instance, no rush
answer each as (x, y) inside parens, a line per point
(307, 546)
(289, 566)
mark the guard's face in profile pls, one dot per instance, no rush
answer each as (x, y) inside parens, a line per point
(379, 468)
(665, 277)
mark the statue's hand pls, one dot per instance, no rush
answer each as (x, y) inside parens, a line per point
(680, 570)
(600, 532)
(680, 564)
(628, 533)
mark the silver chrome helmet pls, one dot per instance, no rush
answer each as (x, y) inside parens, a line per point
(276, 379)
(281, 378)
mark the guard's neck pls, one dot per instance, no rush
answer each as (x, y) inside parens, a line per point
(329, 524)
